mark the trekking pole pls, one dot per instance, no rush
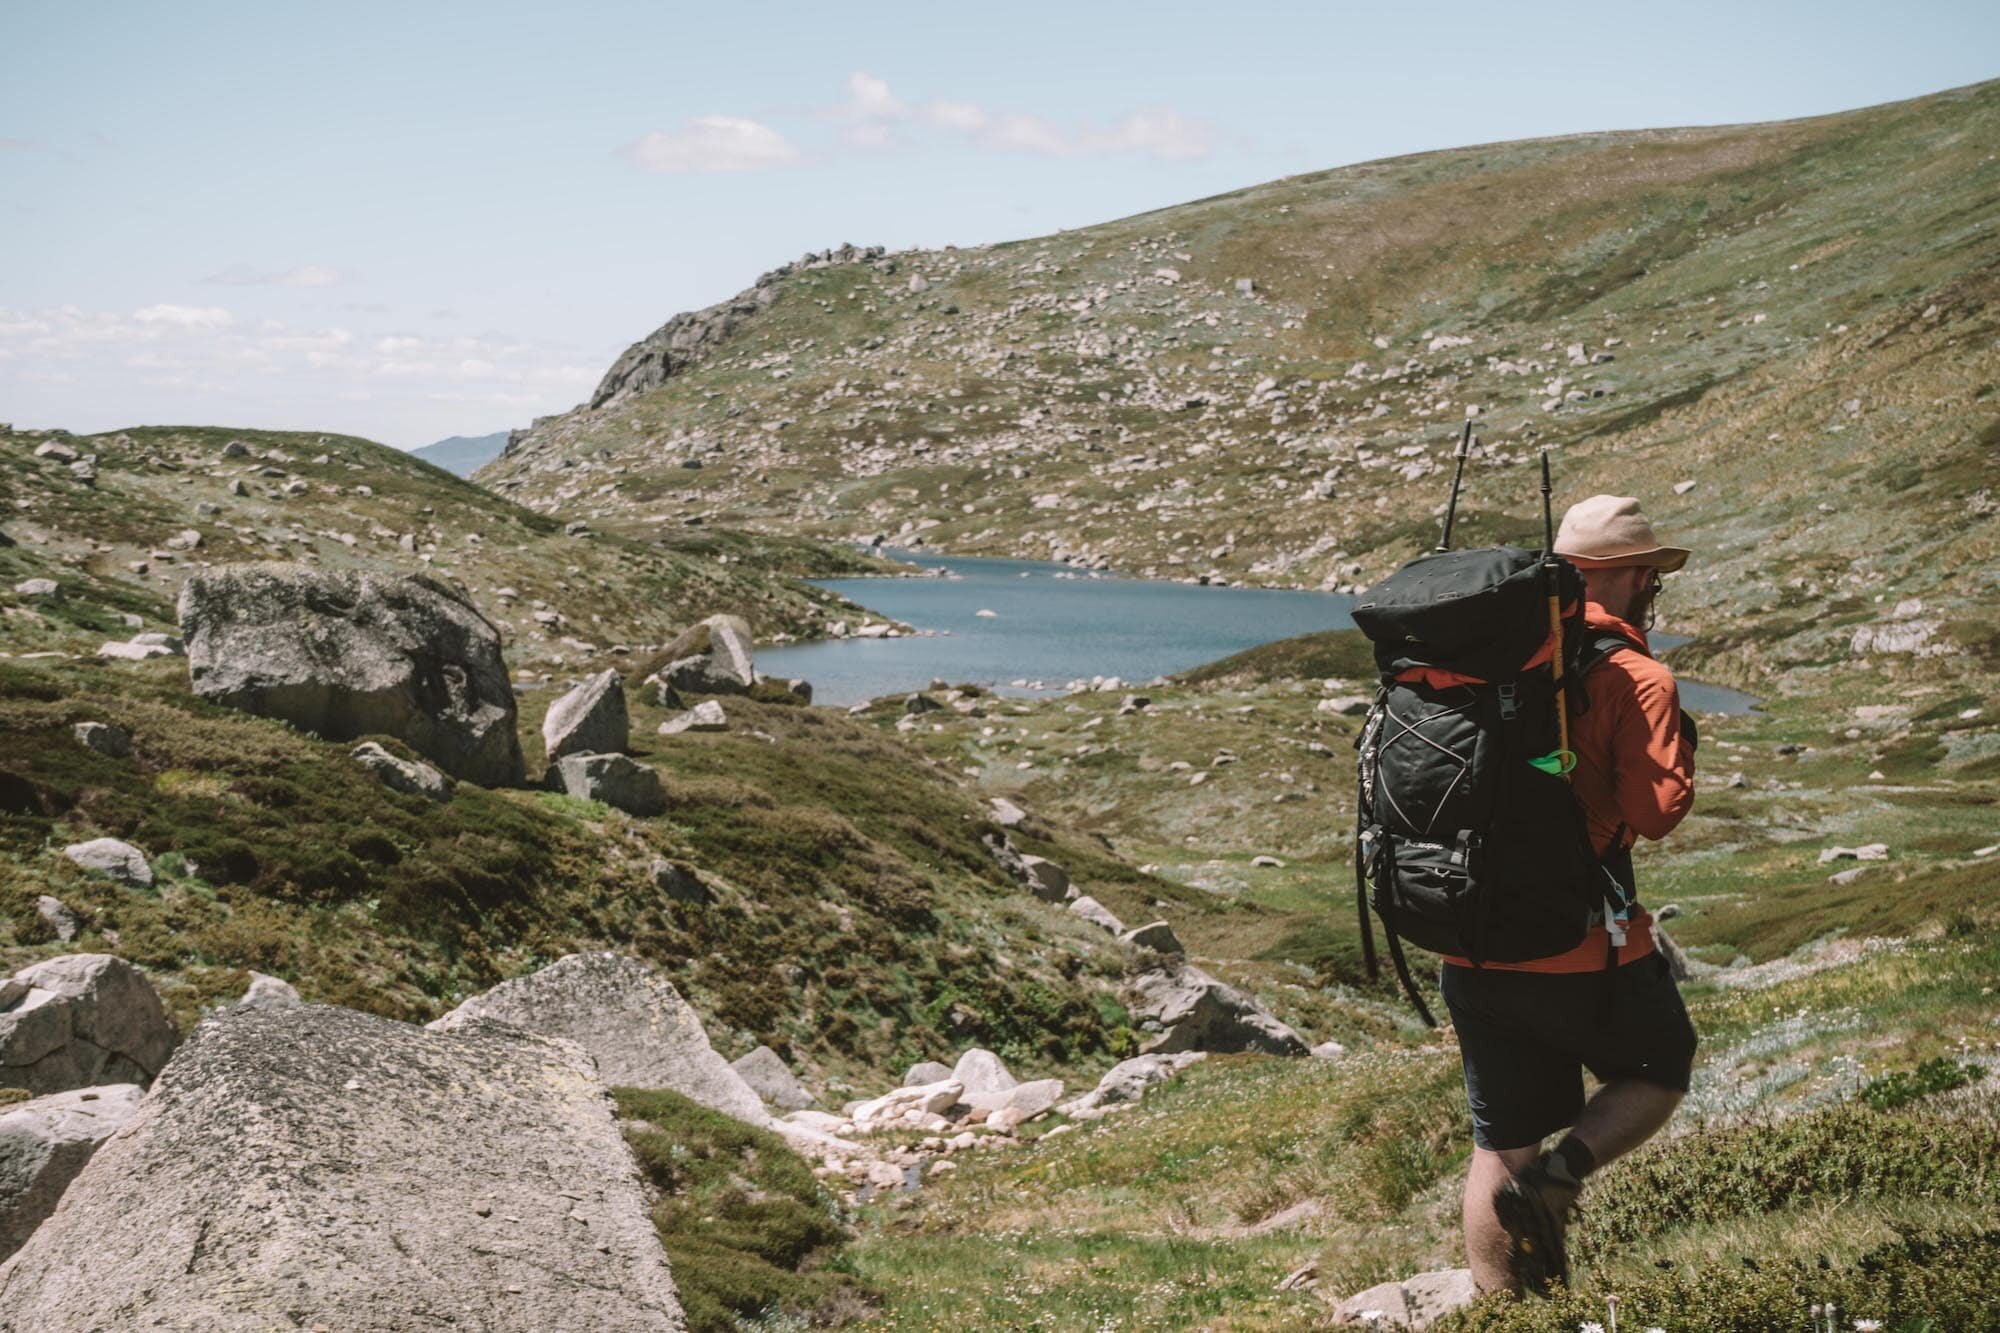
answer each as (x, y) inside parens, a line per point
(1457, 476)
(1554, 582)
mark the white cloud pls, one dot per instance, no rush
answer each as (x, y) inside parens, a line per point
(186, 316)
(964, 117)
(869, 98)
(240, 274)
(871, 108)
(713, 144)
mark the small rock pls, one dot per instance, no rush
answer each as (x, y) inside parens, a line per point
(925, 1072)
(1097, 914)
(1046, 880)
(110, 741)
(920, 703)
(1352, 705)
(1414, 1303)
(1327, 1050)
(59, 917)
(1155, 935)
(617, 780)
(980, 1070)
(704, 716)
(268, 992)
(1006, 814)
(1270, 862)
(678, 882)
(767, 1074)
(117, 861)
(412, 777)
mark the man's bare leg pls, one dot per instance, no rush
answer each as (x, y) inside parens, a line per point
(1621, 1115)
(1485, 1241)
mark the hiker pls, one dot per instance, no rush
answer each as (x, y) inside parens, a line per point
(1528, 1030)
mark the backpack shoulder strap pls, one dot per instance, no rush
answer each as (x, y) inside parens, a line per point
(1597, 646)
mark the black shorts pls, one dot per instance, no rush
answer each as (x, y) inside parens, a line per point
(1526, 1038)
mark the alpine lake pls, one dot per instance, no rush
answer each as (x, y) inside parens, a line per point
(1028, 627)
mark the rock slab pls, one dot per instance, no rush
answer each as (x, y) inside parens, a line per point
(44, 1143)
(319, 1166)
(630, 1018)
(1414, 1303)
(81, 1020)
(620, 781)
(590, 719)
(347, 654)
(1192, 1011)
(120, 862)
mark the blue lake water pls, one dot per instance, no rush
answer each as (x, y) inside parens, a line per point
(1053, 624)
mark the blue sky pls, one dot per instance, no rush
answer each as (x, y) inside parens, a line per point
(418, 219)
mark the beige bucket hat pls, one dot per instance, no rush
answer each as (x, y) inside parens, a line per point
(1608, 531)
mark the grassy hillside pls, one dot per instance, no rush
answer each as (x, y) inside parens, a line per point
(857, 924)
(558, 594)
(1798, 318)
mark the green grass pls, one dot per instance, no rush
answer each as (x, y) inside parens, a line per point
(749, 1232)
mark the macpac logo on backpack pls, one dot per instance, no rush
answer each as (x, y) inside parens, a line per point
(1473, 841)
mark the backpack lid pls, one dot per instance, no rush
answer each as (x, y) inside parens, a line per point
(1481, 612)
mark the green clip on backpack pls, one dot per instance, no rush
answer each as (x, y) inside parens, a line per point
(1472, 841)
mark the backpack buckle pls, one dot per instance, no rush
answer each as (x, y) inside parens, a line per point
(1510, 704)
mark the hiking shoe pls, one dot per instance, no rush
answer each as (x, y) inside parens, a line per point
(1533, 1209)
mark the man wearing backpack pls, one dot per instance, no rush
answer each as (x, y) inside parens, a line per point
(1528, 1030)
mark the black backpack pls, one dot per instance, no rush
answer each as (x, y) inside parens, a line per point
(1467, 830)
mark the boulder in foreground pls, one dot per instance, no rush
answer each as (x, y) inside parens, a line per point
(318, 1166)
(44, 1143)
(81, 1020)
(347, 655)
(631, 1020)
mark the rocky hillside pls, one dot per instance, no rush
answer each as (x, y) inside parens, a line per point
(1783, 336)
(117, 521)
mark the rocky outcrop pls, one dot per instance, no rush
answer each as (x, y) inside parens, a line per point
(621, 782)
(1155, 935)
(346, 655)
(688, 337)
(590, 719)
(770, 1078)
(44, 1143)
(78, 1021)
(1192, 1011)
(632, 1021)
(321, 1167)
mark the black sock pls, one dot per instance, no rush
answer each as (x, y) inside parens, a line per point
(1573, 1158)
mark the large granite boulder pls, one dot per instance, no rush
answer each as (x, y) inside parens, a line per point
(44, 1143)
(321, 1167)
(108, 858)
(713, 657)
(1127, 1081)
(631, 1020)
(1192, 1011)
(347, 654)
(80, 1020)
(590, 719)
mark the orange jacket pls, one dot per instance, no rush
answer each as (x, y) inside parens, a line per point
(1633, 767)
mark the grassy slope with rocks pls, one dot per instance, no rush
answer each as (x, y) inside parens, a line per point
(1798, 317)
(343, 502)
